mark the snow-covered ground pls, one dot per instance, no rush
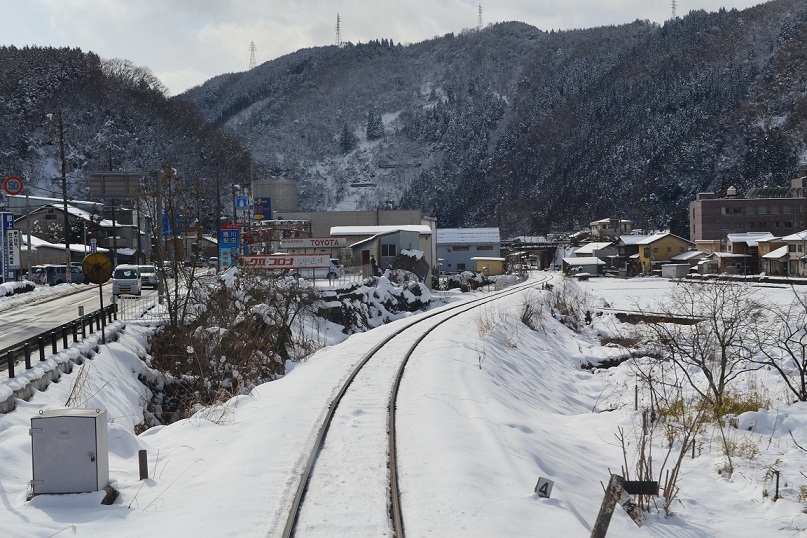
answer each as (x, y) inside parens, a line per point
(488, 406)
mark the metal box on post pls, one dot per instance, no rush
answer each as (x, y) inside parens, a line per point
(70, 452)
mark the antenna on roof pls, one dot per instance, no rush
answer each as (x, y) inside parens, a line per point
(338, 31)
(252, 49)
(479, 20)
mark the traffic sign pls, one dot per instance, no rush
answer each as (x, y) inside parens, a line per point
(13, 185)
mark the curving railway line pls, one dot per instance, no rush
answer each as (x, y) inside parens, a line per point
(355, 415)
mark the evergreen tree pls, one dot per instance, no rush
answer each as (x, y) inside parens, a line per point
(375, 127)
(347, 140)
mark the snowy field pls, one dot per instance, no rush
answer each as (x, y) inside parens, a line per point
(487, 408)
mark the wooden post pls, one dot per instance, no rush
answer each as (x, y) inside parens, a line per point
(606, 508)
(144, 465)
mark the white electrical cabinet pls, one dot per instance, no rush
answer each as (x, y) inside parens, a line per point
(70, 451)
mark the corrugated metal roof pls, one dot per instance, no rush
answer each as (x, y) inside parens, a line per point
(467, 235)
(422, 229)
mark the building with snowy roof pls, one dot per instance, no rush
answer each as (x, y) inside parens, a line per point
(456, 247)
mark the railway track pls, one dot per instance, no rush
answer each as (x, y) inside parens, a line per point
(355, 413)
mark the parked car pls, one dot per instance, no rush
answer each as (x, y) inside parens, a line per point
(126, 280)
(168, 269)
(213, 262)
(148, 276)
(56, 274)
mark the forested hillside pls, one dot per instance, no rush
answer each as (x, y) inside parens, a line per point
(114, 114)
(533, 130)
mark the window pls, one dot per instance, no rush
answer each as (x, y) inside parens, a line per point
(655, 250)
(460, 267)
(763, 210)
(484, 247)
(388, 250)
(737, 210)
(50, 216)
(669, 250)
(788, 224)
(682, 249)
(460, 249)
(724, 210)
(791, 248)
(774, 210)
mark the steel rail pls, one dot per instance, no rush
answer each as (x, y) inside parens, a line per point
(305, 476)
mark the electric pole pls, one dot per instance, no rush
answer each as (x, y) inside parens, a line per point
(68, 274)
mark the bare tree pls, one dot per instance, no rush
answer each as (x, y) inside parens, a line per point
(783, 344)
(708, 329)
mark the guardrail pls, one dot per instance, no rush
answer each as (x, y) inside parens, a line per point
(52, 337)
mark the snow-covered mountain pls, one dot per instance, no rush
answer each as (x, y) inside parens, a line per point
(531, 129)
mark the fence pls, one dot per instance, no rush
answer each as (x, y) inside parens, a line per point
(52, 338)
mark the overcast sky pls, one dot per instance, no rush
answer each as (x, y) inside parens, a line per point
(186, 42)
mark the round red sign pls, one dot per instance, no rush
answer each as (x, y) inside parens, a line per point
(13, 185)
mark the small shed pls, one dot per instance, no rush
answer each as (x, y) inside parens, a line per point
(588, 264)
(675, 270)
(489, 266)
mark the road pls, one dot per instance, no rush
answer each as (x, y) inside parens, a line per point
(26, 320)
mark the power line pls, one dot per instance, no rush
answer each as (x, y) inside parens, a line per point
(252, 50)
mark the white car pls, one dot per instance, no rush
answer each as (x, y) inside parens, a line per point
(126, 280)
(148, 276)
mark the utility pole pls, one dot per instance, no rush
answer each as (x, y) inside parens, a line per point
(68, 275)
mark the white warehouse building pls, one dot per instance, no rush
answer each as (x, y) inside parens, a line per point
(457, 246)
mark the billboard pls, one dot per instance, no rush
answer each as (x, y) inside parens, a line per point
(313, 242)
(287, 261)
(114, 185)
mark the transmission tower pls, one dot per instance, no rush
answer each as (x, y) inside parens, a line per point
(674, 5)
(338, 32)
(479, 20)
(252, 49)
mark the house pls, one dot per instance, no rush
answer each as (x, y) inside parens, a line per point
(796, 253)
(458, 246)
(660, 248)
(385, 244)
(727, 262)
(605, 251)
(774, 210)
(47, 223)
(628, 253)
(320, 224)
(775, 262)
(610, 228)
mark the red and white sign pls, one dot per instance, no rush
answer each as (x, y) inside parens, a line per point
(287, 261)
(314, 242)
(13, 185)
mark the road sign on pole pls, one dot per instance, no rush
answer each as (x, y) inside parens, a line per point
(13, 185)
